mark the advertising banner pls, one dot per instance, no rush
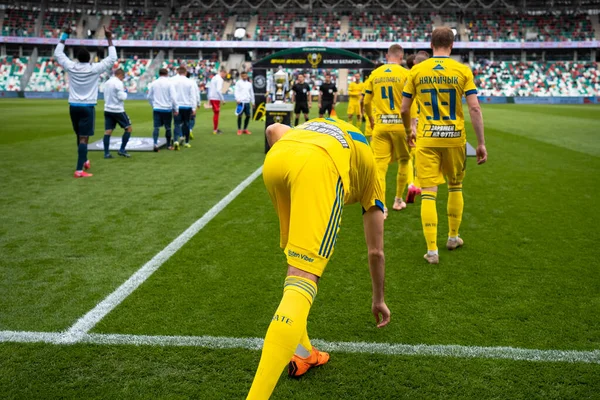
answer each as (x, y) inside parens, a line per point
(313, 58)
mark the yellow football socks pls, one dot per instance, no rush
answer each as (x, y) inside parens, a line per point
(455, 209)
(413, 151)
(304, 348)
(285, 332)
(429, 218)
(410, 172)
(403, 177)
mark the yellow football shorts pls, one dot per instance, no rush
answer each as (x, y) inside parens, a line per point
(353, 108)
(435, 163)
(308, 195)
(389, 146)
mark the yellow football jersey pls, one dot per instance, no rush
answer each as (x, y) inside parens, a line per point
(438, 85)
(355, 90)
(384, 91)
(351, 154)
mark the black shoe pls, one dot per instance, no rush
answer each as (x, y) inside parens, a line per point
(124, 154)
(156, 149)
(108, 155)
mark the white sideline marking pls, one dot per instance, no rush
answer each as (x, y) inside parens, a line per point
(89, 320)
(220, 342)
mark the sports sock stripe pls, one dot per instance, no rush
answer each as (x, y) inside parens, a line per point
(303, 286)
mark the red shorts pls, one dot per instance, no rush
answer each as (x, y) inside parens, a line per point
(216, 105)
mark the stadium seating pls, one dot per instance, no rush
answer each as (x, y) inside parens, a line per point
(55, 20)
(322, 27)
(19, 22)
(134, 69)
(537, 79)
(134, 26)
(200, 70)
(48, 76)
(194, 26)
(573, 27)
(513, 27)
(386, 26)
(11, 71)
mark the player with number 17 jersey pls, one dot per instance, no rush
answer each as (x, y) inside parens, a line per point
(438, 85)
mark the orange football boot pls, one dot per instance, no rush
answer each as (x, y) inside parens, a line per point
(299, 366)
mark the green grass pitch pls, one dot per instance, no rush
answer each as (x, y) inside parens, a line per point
(527, 277)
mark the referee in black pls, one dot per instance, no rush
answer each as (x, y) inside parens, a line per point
(302, 98)
(327, 97)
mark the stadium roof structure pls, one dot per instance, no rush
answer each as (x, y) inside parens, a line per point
(538, 6)
(406, 5)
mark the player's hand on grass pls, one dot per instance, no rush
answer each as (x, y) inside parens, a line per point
(381, 312)
(107, 32)
(481, 154)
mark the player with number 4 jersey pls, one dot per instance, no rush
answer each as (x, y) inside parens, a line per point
(383, 89)
(438, 85)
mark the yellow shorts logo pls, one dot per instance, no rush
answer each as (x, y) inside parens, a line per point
(303, 257)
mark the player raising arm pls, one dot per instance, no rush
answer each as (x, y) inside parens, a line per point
(438, 85)
(310, 172)
(83, 93)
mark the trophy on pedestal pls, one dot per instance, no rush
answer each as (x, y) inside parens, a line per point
(279, 111)
(280, 78)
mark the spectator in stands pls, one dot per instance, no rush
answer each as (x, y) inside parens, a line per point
(215, 96)
(244, 96)
(83, 93)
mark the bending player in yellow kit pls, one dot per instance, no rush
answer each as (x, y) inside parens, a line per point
(384, 90)
(438, 85)
(355, 90)
(310, 173)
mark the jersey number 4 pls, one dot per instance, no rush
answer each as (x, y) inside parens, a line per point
(435, 106)
(388, 96)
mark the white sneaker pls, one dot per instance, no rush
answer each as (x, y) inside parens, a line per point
(453, 244)
(399, 204)
(432, 258)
